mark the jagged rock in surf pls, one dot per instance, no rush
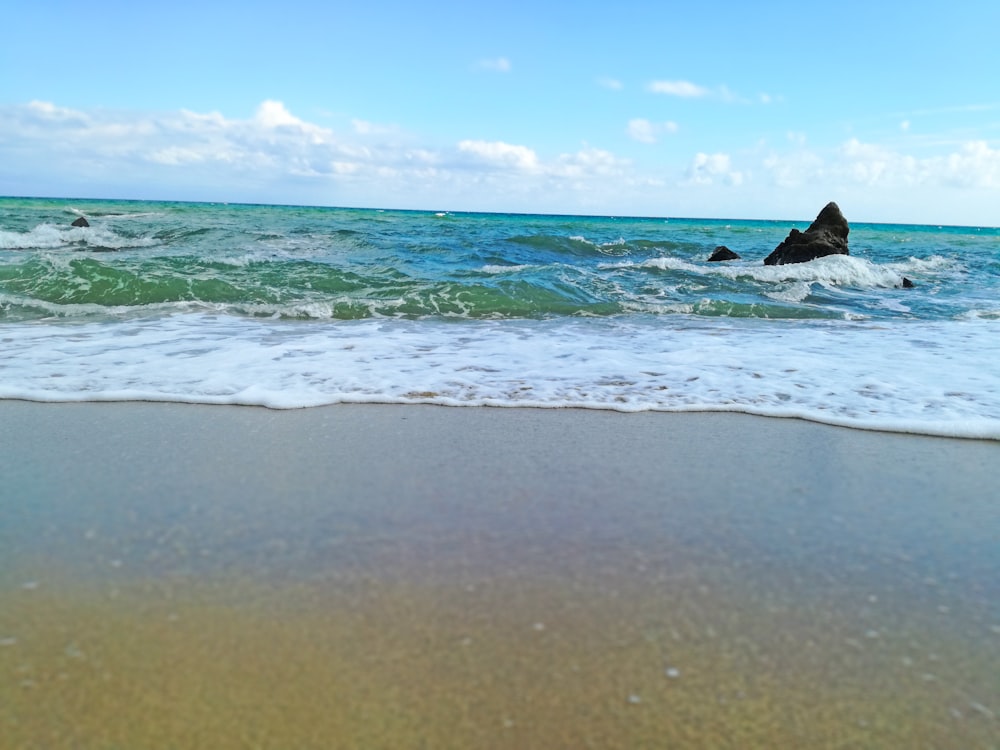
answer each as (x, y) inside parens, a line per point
(907, 284)
(723, 253)
(81, 222)
(825, 236)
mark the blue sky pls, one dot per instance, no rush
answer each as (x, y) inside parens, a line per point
(710, 109)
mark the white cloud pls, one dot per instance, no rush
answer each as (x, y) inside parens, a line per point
(689, 90)
(496, 64)
(103, 142)
(210, 119)
(641, 130)
(176, 155)
(49, 111)
(272, 114)
(684, 89)
(363, 127)
(868, 164)
(345, 167)
(590, 162)
(711, 169)
(792, 171)
(275, 155)
(501, 154)
(975, 165)
(610, 83)
(645, 131)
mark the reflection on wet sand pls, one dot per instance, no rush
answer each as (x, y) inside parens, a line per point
(429, 640)
(405, 577)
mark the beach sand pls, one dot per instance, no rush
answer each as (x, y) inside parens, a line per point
(379, 576)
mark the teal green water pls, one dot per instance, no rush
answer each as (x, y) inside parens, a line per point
(304, 263)
(290, 307)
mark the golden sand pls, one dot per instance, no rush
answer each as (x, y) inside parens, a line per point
(411, 660)
(400, 577)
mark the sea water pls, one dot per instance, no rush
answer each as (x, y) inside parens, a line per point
(290, 307)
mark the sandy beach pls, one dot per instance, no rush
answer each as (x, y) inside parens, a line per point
(379, 576)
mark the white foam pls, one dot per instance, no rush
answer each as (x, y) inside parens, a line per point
(795, 292)
(932, 378)
(831, 271)
(52, 237)
(495, 269)
(614, 247)
(115, 214)
(990, 314)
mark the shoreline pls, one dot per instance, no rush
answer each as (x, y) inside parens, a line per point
(762, 449)
(385, 576)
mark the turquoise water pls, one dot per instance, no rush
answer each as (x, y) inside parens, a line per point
(297, 306)
(321, 263)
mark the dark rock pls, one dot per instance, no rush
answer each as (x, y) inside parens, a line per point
(825, 236)
(907, 284)
(81, 222)
(723, 253)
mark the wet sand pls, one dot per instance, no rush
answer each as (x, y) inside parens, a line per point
(395, 577)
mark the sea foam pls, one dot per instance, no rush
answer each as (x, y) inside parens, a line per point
(833, 270)
(931, 378)
(295, 306)
(53, 237)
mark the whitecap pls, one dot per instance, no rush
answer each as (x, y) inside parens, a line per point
(793, 293)
(497, 269)
(52, 237)
(832, 270)
(851, 374)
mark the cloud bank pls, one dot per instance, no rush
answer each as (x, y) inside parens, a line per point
(277, 156)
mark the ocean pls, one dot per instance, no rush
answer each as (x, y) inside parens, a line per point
(291, 307)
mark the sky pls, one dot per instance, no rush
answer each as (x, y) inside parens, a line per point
(678, 109)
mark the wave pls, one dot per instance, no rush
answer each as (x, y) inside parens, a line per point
(298, 289)
(53, 237)
(833, 270)
(501, 269)
(579, 246)
(113, 213)
(247, 284)
(919, 377)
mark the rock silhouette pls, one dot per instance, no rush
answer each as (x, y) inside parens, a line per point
(723, 253)
(827, 235)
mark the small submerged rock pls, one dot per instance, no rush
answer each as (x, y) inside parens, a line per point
(81, 222)
(723, 253)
